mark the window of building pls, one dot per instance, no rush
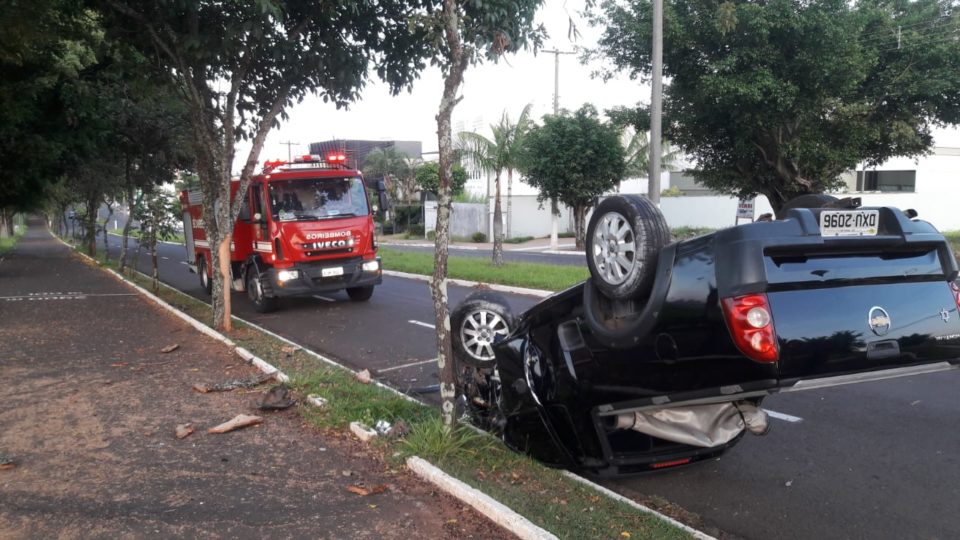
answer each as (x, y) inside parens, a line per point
(887, 181)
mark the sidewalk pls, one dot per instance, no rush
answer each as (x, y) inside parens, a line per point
(88, 415)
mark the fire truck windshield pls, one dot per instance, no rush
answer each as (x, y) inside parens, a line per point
(317, 198)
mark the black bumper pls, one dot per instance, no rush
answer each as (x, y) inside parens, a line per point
(310, 279)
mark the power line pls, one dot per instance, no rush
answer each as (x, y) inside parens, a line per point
(289, 146)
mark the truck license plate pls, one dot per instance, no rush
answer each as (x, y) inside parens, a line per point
(849, 222)
(330, 272)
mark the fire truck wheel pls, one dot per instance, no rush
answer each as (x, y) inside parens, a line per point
(205, 282)
(259, 292)
(360, 294)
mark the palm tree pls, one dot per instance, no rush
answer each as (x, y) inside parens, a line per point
(637, 146)
(495, 155)
(395, 168)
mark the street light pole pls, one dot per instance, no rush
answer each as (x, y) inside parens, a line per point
(289, 145)
(555, 220)
(656, 104)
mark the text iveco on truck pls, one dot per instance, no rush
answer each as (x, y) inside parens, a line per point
(305, 228)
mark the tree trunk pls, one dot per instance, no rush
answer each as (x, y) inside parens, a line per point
(580, 212)
(224, 252)
(90, 234)
(438, 285)
(153, 257)
(125, 241)
(497, 225)
(106, 246)
(6, 223)
(509, 203)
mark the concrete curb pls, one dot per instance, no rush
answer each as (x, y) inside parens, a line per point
(481, 502)
(495, 511)
(699, 535)
(540, 293)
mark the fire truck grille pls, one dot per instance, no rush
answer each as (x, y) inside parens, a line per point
(327, 252)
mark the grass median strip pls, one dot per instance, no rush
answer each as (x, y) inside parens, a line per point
(536, 276)
(545, 497)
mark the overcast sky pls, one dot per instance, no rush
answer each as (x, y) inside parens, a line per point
(487, 91)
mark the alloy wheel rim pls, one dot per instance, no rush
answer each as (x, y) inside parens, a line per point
(614, 248)
(479, 331)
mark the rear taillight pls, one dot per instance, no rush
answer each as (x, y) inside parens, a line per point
(751, 326)
(956, 293)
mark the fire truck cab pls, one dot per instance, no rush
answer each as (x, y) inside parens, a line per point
(306, 227)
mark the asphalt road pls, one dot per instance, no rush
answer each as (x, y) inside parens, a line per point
(877, 460)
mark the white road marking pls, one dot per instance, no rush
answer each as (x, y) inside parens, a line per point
(783, 416)
(185, 263)
(165, 258)
(324, 298)
(411, 364)
(58, 296)
(423, 324)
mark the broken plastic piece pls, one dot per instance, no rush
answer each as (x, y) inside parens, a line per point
(233, 385)
(364, 376)
(705, 426)
(183, 431)
(237, 422)
(316, 400)
(277, 399)
(170, 348)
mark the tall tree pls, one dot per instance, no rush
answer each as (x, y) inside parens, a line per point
(428, 178)
(781, 97)
(465, 32)
(574, 158)
(239, 68)
(494, 155)
(637, 148)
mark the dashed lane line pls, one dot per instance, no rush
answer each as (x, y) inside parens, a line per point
(324, 298)
(423, 324)
(783, 416)
(411, 364)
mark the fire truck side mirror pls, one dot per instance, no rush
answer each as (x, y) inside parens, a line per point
(384, 204)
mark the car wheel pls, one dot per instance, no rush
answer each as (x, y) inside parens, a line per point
(205, 282)
(624, 238)
(811, 200)
(360, 294)
(481, 320)
(259, 291)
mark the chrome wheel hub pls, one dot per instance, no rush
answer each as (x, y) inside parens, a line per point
(614, 250)
(479, 331)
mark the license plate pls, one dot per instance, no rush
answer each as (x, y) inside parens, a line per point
(330, 272)
(849, 222)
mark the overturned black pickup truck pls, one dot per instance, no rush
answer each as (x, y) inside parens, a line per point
(663, 357)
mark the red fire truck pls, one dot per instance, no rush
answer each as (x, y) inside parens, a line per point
(306, 227)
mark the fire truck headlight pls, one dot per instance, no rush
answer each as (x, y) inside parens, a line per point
(287, 275)
(371, 266)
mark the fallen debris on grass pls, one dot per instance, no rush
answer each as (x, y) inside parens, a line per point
(364, 376)
(363, 431)
(277, 399)
(317, 401)
(233, 385)
(237, 422)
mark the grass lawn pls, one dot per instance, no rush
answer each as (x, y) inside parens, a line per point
(6, 244)
(533, 275)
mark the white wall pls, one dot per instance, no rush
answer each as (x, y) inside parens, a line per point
(528, 218)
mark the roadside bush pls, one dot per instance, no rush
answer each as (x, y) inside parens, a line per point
(479, 237)
(518, 239)
(432, 235)
(415, 231)
(567, 235)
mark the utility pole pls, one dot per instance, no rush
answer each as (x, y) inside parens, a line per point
(555, 219)
(656, 104)
(289, 145)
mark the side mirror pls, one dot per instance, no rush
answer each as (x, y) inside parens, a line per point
(382, 196)
(381, 186)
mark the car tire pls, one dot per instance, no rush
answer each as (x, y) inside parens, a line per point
(259, 291)
(360, 294)
(481, 320)
(811, 200)
(624, 238)
(205, 282)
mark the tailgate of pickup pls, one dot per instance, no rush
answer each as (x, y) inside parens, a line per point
(826, 332)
